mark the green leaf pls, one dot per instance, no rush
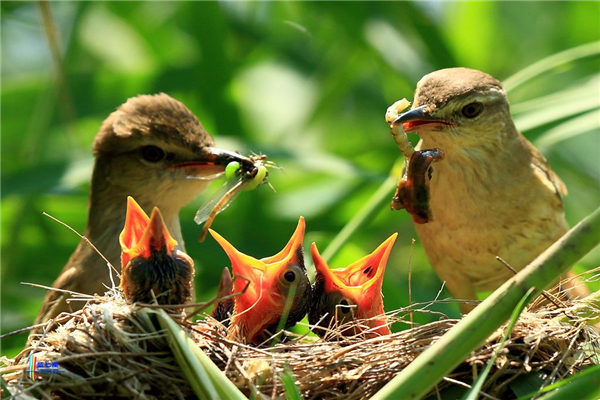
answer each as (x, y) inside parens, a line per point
(452, 348)
(131, 56)
(5, 392)
(557, 111)
(291, 390)
(584, 123)
(473, 394)
(207, 380)
(548, 63)
(362, 217)
(583, 386)
(587, 89)
(528, 383)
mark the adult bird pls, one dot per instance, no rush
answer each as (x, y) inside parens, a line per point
(494, 193)
(153, 270)
(148, 148)
(271, 289)
(349, 300)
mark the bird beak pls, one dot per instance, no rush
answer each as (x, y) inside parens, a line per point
(141, 234)
(136, 222)
(368, 272)
(225, 284)
(360, 282)
(217, 158)
(262, 303)
(416, 117)
(291, 246)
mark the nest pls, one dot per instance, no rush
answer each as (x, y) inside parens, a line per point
(108, 349)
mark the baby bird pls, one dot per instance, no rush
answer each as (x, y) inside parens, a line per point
(153, 270)
(272, 289)
(352, 293)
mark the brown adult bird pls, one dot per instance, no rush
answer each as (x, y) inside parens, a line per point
(148, 148)
(494, 193)
(153, 270)
(343, 295)
(272, 288)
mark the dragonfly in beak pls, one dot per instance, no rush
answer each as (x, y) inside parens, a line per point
(243, 174)
(274, 291)
(342, 296)
(153, 270)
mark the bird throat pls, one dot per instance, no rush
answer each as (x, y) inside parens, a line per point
(106, 218)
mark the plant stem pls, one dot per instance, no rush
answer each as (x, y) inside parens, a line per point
(451, 349)
(361, 218)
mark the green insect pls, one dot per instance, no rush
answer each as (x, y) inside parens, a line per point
(239, 178)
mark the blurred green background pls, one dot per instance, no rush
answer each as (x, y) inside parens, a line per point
(306, 83)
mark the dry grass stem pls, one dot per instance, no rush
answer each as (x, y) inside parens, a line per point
(110, 348)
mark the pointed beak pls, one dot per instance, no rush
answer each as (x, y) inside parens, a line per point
(224, 157)
(331, 279)
(262, 304)
(225, 284)
(216, 158)
(251, 269)
(416, 117)
(368, 272)
(360, 282)
(155, 237)
(417, 113)
(291, 246)
(136, 222)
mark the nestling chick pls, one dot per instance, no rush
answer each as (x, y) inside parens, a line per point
(268, 285)
(352, 293)
(153, 270)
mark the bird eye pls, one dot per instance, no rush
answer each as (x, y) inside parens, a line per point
(345, 306)
(153, 153)
(472, 110)
(290, 276)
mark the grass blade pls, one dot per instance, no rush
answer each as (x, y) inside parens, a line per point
(207, 380)
(583, 386)
(473, 394)
(558, 111)
(291, 390)
(5, 392)
(548, 63)
(586, 89)
(451, 349)
(363, 216)
(577, 126)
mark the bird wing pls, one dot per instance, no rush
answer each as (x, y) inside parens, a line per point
(545, 174)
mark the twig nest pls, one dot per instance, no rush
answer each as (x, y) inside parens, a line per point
(109, 349)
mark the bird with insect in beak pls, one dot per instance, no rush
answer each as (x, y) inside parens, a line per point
(153, 270)
(275, 292)
(348, 301)
(494, 193)
(149, 148)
